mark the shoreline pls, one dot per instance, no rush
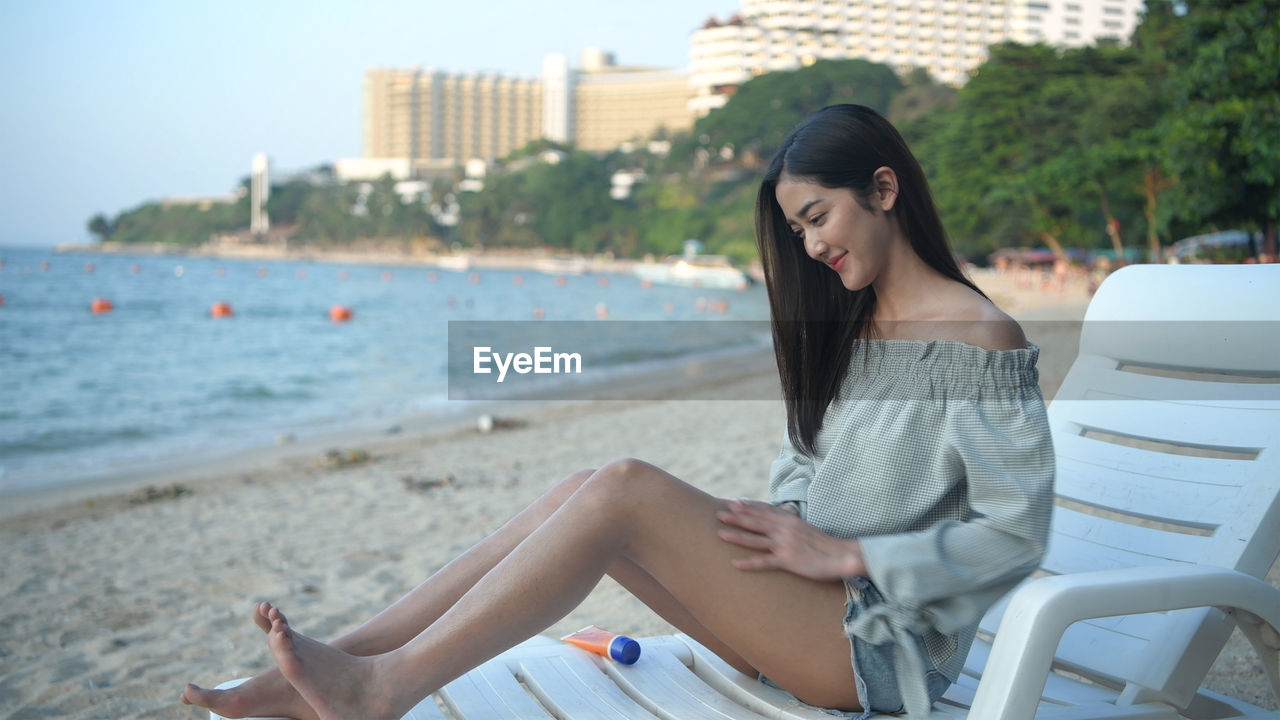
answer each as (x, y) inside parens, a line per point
(650, 382)
(529, 260)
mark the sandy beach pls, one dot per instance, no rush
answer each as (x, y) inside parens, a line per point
(112, 597)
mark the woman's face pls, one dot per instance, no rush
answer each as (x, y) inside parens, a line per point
(837, 230)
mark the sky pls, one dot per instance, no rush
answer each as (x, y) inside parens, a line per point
(107, 105)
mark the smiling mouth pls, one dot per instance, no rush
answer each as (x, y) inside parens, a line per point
(837, 263)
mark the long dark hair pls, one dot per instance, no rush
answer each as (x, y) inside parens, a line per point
(816, 320)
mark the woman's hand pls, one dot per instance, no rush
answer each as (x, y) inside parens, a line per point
(785, 542)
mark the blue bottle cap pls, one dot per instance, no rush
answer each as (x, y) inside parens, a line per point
(624, 650)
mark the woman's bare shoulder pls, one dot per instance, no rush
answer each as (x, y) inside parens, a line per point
(962, 314)
(956, 312)
(980, 323)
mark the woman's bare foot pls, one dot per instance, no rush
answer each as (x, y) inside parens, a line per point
(336, 685)
(266, 695)
(260, 616)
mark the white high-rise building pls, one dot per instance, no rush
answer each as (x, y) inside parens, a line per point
(557, 98)
(259, 193)
(948, 38)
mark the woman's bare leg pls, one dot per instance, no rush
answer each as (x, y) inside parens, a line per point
(269, 694)
(778, 623)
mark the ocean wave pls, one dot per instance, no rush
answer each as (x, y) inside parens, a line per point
(64, 439)
(256, 391)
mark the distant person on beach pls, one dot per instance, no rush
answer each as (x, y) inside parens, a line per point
(913, 488)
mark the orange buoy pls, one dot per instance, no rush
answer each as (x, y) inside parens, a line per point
(221, 309)
(561, 281)
(539, 313)
(263, 272)
(1, 300)
(134, 269)
(517, 280)
(222, 272)
(89, 267)
(433, 276)
(387, 276)
(343, 275)
(302, 274)
(340, 313)
(44, 266)
(647, 284)
(602, 311)
(474, 278)
(101, 305)
(602, 281)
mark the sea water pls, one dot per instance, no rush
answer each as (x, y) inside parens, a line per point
(159, 379)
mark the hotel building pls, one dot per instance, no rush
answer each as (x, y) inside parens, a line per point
(420, 121)
(613, 104)
(440, 120)
(948, 38)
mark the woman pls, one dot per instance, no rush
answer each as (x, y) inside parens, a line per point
(913, 488)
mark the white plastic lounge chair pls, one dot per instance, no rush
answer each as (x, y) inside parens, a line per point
(1167, 431)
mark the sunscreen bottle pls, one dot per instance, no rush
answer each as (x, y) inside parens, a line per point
(611, 645)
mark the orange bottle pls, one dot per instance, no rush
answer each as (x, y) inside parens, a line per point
(611, 645)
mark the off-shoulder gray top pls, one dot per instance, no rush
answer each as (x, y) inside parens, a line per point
(937, 456)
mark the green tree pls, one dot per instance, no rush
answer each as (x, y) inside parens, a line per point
(563, 204)
(100, 226)
(180, 224)
(1108, 153)
(1223, 133)
(1046, 148)
(731, 228)
(1148, 97)
(760, 114)
(286, 199)
(327, 216)
(671, 215)
(921, 96)
(983, 154)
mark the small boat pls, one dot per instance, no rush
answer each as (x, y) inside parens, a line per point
(562, 265)
(695, 270)
(453, 262)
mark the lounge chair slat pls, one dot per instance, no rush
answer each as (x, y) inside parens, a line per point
(1196, 506)
(1112, 538)
(1069, 445)
(490, 692)
(670, 690)
(1179, 423)
(1064, 556)
(572, 686)
(1197, 386)
(748, 692)
(425, 710)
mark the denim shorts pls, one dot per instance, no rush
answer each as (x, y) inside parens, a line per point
(873, 664)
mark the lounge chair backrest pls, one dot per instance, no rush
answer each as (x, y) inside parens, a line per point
(1167, 434)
